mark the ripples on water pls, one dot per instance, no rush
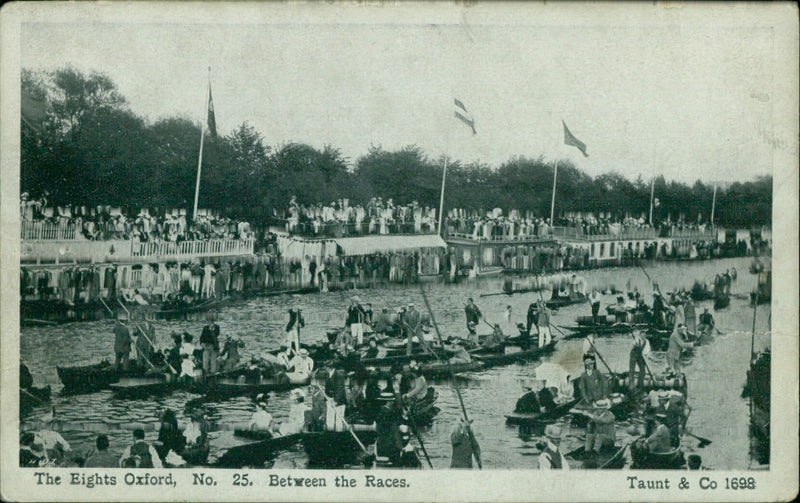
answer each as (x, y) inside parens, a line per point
(715, 373)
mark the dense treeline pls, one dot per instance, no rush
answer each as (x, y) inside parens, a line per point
(82, 144)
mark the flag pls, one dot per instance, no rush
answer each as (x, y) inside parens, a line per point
(212, 120)
(464, 116)
(569, 139)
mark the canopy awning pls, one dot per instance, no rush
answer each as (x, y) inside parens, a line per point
(388, 243)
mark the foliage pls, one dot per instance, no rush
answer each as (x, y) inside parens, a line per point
(90, 149)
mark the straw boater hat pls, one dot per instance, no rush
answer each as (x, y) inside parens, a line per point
(553, 431)
(303, 352)
(604, 403)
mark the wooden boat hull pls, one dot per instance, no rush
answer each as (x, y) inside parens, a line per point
(534, 418)
(610, 459)
(220, 386)
(564, 302)
(497, 359)
(91, 378)
(643, 459)
(335, 448)
(255, 449)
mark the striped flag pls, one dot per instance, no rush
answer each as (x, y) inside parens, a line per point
(212, 120)
(464, 116)
(569, 139)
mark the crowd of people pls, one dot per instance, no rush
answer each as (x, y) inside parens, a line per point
(493, 225)
(104, 223)
(377, 216)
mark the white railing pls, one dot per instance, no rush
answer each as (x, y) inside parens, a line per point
(41, 230)
(708, 233)
(188, 249)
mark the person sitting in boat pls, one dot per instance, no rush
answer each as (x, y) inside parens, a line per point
(261, 419)
(101, 457)
(601, 430)
(496, 341)
(677, 343)
(706, 322)
(419, 386)
(170, 437)
(229, 357)
(300, 367)
(592, 384)
(299, 414)
(343, 341)
(528, 403)
(140, 454)
(372, 349)
(670, 404)
(383, 323)
(460, 354)
(335, 387)
(620, 310)
(551, 457)
(659, 441)
(196, 432)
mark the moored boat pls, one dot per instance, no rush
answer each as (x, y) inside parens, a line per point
(96, 377)
(254, 448)
(493, 359)
(642, 458)
(611, 458)
(541, 417)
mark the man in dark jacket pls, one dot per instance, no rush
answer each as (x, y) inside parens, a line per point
(122, 343)
(209, 339)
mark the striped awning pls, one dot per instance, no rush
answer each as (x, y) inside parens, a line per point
(389, 243)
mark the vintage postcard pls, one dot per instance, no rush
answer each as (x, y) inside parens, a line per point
(357, 251)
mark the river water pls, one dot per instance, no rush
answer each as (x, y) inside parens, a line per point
(715, 373)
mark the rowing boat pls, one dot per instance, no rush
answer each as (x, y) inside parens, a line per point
(219, 386)
(644, 459)
(494, 359)
(559, 302)
(253, 448)
(96, 377)
(611, 458)
(534, 418)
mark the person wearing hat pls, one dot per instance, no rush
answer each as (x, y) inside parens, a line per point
(594, 299)
(261, 419)
(636, 360)
(659, 441)
(298, 411)
(419, 386)
(677, 343)
(496, 340)
(355, 320)
(413, 327)
(658, 309)
(300, 367)
(383, 323)
(473, 315)
(601, 430)
(122, 343)
(209, 339)
(296, 322)
(706, 322)
(464, 444)
(196, 432)
(592, 384)
(551, 457)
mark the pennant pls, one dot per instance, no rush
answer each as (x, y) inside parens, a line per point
(464, 116)
(212, 120)
(569, 139)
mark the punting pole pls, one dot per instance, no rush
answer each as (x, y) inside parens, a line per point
(652, 190)
(553, 199)
(452, 376)
(713, 204)
(441, 198)
(200, 157)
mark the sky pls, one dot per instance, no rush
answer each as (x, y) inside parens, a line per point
(649, 91)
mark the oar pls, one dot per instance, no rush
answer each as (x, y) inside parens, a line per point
(703, 441)
(601, 357)
(32, 395)
(336, 411)
(452, 375)
(416, 432)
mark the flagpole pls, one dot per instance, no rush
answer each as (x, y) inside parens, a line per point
(441, 198)
(652, 188)
(553, 200)
(200, 157)
(713, 204)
